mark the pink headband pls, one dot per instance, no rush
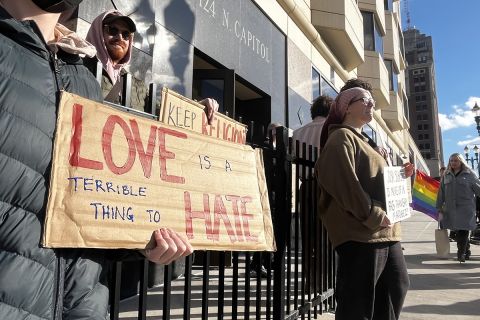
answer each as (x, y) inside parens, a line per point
(338, 109)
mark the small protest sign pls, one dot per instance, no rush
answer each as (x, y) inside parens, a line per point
(396, 194)
(179, 111)
(116, 177)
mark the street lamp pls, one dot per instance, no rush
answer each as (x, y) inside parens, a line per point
(472, 158)
(476, 111)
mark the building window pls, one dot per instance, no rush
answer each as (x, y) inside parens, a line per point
(373, 40)
(368, 130)
(420, 137)
(427, 145)
(419, 127)
(393, 77)
(419, 117)
(425, 127)
(320, 86)
(406, 111)
(420, 146)
(427, 156)
(315, 84)
(388, 5)
(327, 89)
(426, 136)
(400, 40)
(425, 116)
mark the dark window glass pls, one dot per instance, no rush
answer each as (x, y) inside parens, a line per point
(419, 127)
(315, 84)
(388, 5)
(420, 137)
(368, 31)
(370, 132)
(393, 77)
(378, 39)
(327, 89)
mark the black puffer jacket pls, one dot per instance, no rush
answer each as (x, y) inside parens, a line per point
(38, 283)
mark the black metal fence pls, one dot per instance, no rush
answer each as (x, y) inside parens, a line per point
(297, 281)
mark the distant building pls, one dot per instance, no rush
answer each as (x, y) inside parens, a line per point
(422, 97)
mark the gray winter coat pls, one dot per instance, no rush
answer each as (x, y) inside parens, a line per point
(456, 200)
(35, 282)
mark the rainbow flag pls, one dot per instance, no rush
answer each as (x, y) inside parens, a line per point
(424, 196)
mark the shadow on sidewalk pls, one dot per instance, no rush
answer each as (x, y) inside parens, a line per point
(470, 308)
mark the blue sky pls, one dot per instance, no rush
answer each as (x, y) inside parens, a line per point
(455, 30)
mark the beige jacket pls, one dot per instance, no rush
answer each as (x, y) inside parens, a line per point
(351, 190)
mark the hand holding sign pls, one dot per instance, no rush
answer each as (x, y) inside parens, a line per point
(408, 169)
(211, 106)
(167, 246)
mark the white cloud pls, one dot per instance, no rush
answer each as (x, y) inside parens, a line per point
(469, 142)
(462, 116)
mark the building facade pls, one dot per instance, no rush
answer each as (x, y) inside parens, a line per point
(265, 60)
(420, 76)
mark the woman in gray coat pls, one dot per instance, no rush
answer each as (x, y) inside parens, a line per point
(456, 202)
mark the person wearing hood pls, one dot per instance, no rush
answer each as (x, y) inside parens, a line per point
(39, 59)
(111, 33)
(372, 278)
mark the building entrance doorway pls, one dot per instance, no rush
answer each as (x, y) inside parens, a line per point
(236, 97)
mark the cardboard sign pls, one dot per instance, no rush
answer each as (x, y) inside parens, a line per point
(397, 196)
(116, 177)
(178, 111)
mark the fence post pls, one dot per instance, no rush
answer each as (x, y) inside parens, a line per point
(281, 224)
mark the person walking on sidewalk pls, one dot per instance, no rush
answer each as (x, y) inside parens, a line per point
(372, 278)
(456, 202)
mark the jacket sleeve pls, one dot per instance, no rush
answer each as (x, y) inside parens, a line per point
(337, 177)
(441, 195)
(475, 185)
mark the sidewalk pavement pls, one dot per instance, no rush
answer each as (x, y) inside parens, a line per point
(438, 287)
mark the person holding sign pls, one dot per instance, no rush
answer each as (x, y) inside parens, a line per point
(456, 202)
(39, 59)
(372, 278)
(111, 33)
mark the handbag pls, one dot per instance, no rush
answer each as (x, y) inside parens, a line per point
(442, 243)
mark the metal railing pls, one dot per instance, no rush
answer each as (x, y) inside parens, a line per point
(300, 276)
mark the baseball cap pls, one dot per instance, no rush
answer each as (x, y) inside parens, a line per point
(115, 16)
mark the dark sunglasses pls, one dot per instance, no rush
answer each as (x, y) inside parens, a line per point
(114, 31)
(366, 101)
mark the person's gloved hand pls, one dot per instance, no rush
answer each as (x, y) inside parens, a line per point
(166, 246)
(211, 106)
